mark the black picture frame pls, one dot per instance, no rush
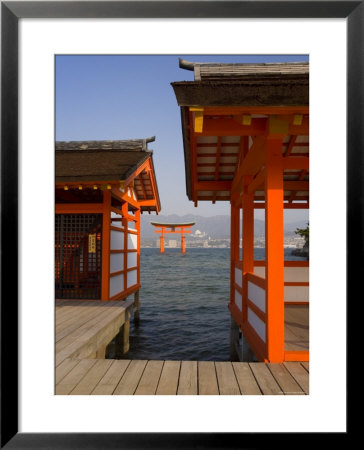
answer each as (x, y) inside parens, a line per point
(11, 12)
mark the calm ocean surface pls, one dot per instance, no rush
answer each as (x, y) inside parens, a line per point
(184, 297)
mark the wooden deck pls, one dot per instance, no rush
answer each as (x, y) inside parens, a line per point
(142, 377)
(296, 327)
(85, 328)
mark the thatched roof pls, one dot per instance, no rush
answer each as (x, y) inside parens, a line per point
(99, 160)
(273, 84)
(241, 70)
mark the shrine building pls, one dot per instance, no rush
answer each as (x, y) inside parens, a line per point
(101, 188)
(245, 133)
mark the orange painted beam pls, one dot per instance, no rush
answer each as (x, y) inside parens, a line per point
(286, 263)
(240, 110)
(171, 232)
(238, 288)
(135, 203)
(296, 163)
(257, 182)
(124, 197)
(239, 264)
(168, 229)
(259, 203)
(83, 208)
(126, 293)
(257, 311)
(128, 216)
(252, 162)
(292, 355)
(230, 127)
(256, 279)
(290, 146)
(211, 197)
(112, 227)
(299, 130)
(147, 203)
(301, 177)
(286, 205)
(87, 184)
(274, 270)
(296, 186)
(145, 165)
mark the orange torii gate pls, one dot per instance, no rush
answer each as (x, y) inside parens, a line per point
(173, 228)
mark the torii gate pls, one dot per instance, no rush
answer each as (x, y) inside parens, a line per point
(173, 228)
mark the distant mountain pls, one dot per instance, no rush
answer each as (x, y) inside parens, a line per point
(217, 227)
(292, 226)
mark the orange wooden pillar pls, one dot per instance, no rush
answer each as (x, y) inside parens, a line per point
(248, 242)
(124, 222)
(138, 225)
(183, 243)
(162, 241)
(234, 246)
(274, 269)
(105, 269)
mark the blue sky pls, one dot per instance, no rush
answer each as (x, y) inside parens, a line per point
(130, 97)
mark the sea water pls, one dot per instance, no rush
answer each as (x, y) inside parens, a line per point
(184, 305)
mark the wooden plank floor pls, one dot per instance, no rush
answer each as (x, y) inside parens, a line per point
(83, 327)
(143, 377)
(296, 327)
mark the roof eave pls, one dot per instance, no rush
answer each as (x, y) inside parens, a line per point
(289, 92)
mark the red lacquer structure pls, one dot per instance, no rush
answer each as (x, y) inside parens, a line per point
(174, 228)
(246, 140)
(101, 189)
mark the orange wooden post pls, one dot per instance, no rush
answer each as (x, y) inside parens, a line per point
(137, 223)
(162, 241)
(124, 221)
(248, 241)
(105, 269)
(183, 243)
(274, 269)
(234, 246)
